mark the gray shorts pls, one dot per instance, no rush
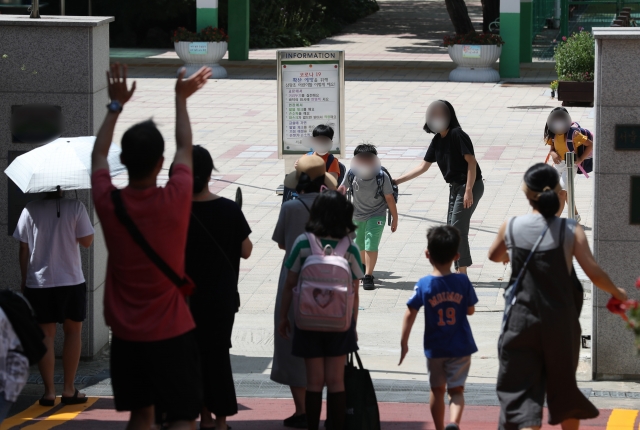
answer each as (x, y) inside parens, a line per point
(451, 372)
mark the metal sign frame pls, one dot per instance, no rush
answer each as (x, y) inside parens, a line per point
(285, 57)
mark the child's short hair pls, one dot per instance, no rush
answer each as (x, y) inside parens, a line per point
(443, 242)
(323, 130)
(365, 148)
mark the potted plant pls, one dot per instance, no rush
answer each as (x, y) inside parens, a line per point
(575, 65)
(474, 54)
(554, 88)
(205, 48)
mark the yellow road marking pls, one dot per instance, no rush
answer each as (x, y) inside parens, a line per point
(67, 413)
(28, 414)
(622, 419)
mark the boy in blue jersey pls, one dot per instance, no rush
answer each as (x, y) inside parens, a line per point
(448, 342)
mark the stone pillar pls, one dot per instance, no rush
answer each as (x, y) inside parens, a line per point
(58, 61)
(239, 30)
(616, 224)
(510, 32)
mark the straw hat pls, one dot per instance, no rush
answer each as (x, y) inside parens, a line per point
(314, 166)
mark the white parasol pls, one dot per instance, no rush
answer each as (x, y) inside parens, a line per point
(64, 163)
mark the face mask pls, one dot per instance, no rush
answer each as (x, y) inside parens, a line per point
(323, 148)
(438, 125)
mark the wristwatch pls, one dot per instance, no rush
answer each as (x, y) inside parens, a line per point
(114, 106)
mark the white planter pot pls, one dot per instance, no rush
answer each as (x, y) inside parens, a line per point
(477, 68)
(203, 54)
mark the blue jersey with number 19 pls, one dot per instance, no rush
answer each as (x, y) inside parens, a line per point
(445, 299)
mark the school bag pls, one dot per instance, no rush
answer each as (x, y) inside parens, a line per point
(324, 296)
(23, 320)
(587, 164)
(380, 182)
(290, 194)
(362, 402)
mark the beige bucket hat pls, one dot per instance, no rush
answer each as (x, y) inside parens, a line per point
(314, 166)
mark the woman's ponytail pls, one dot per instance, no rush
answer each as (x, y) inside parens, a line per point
(541, 186)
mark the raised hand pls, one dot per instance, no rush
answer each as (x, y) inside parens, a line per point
(117, 83)
(186, 87)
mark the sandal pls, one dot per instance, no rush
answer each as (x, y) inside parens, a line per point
(46, 402)
(74, 400)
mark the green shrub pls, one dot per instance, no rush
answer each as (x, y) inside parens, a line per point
(575, 57)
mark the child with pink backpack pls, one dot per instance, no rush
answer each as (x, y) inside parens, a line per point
(322, 286)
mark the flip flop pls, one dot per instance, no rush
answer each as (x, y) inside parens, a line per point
(46, 402)
(74, 400)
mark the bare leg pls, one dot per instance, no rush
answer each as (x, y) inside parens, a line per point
(221, 423)
(531, 428)
(371, 260)
(436, 404)
(462, 269)
(298, 394)
(570, 424)
(48, 362)
(71, 356)
(206, 419)
(141, 419)
(456, 404)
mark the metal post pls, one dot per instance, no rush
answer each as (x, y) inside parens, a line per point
(62, 7)
(571, 204)
(35, 9)
(564, 18)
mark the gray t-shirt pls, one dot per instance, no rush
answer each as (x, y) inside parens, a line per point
(366, 204)
(527, 228)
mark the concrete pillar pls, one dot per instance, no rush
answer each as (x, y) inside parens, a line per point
(616, 237)
(526, 31)
(238, 30)
(206, 14)
(510, 32)
(57, 61)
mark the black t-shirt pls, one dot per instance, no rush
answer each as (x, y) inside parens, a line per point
(449, 152)
(216, 293)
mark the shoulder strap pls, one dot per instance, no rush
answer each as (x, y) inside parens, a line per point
(510, 228)
(342, 247)
(380, 182)
(563, 227)
(316, 249)
(330, 159)
(350, 177)
(526, 262)
(136, 235)
(305, 205)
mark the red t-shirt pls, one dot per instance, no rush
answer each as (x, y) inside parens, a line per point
(140, 303)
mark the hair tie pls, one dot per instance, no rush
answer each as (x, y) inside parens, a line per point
(546, 189)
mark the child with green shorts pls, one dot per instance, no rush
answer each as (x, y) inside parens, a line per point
(372, 195)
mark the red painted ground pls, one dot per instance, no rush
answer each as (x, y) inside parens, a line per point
(267, 414)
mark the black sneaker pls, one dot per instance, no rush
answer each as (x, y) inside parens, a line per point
(452, 426)
(296, 421)
(367, 283)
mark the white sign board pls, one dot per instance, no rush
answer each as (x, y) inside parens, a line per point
(310, 93)
(471, 51)
(198, 48)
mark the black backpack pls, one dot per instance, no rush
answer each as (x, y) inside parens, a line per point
(380, 183)
(587, 164)
(289, 194)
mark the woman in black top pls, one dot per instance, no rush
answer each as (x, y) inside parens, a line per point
(218, 237)
(452, 149)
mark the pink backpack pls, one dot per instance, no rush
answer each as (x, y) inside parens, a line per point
(324, 296)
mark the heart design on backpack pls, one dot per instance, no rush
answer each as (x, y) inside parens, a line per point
(322, 297)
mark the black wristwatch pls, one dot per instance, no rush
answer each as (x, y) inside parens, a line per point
(114, 106)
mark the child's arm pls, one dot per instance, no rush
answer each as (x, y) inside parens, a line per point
(471, 310)
(394, 211)
(287, 297)
(407, 325)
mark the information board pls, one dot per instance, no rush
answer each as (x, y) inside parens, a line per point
(310, 93)
(471, 51)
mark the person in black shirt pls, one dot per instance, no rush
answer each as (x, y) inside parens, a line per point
(218, 237)
(452, 149)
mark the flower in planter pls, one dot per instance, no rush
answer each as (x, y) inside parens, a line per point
(473, 39)
(575, 57)
(554, 86)
(208, 34)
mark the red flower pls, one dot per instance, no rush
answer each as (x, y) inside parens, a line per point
(638, 283)
(617, 307)
(564, 38)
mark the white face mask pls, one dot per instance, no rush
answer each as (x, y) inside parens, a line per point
(323, 148)
(438, 125)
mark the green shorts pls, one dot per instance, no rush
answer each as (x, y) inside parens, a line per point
(369, 233)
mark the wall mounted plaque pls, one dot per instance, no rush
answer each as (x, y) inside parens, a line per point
(627, 137)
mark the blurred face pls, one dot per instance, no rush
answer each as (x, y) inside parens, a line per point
(438, 117)
(365, 166)
(559, 122)
(320, 144)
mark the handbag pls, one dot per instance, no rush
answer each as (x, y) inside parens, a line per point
(362, 404)
(184, 284)
(512, 290)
